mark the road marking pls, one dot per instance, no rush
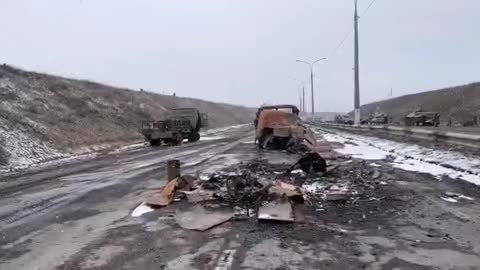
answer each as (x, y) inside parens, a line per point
(226, 260)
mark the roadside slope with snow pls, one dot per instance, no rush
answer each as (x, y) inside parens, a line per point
(44, 117)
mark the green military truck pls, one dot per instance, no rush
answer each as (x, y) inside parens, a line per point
(177, 125)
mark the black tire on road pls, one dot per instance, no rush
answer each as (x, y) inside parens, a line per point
(155, 142)
(194, 137)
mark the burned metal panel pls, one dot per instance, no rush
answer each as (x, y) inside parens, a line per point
(200, 219)
(276, 119)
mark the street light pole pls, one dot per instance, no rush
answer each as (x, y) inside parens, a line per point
(311, 79)
(311, 87)
(356, 119)
(300, 102)
(303, 98)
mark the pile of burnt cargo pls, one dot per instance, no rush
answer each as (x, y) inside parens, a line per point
(260, 189)
(256, 189)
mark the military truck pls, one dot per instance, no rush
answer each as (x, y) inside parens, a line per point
(421, 118)
(344, 119)
(378, 119)
(177, 125)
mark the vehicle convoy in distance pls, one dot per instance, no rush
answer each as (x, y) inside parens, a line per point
(177, 125)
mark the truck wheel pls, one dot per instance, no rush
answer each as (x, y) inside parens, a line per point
(155, 142)
(177, 140)
(194, 137)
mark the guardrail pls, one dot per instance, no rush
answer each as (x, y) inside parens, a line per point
(453, 137)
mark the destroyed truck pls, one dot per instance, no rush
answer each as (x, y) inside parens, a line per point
(279, 127)
(177, 125)
(421, 118)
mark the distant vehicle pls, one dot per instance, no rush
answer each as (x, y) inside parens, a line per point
(379, 119)
(421, 118)
(344, 119)
(177, 125)
(278, 126)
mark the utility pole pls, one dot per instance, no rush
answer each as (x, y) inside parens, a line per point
(300, 102)
(356, 120)
(303, 98)
(311, 87)
(311, 79)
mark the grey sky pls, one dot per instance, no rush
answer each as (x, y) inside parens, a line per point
(244, 51)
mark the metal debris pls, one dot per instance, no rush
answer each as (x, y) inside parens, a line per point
(200, 219)
(199, 195)
(311, 163)
(279, 210)
(281, 189)
(337, 196)
(164, 197)
(173, 169)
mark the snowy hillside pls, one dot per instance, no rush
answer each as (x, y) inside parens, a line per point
(44, 117)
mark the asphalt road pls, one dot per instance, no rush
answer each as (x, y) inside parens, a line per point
(78, 216)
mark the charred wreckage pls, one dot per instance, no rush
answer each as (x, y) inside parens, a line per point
(259, 189)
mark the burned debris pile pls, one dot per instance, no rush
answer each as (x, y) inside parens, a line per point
(261, 190)
(264, 190)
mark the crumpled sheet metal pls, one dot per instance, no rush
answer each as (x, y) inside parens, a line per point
(200, 219)
(165, 196)
(279, 211)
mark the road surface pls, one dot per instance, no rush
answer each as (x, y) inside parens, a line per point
(78, 216)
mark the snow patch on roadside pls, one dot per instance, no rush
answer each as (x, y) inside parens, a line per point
(409, 157)
(447, 199)
(222, 129)
(141, 209)
(212, 138)
(129, 147)
(357, 149)
(23, 150)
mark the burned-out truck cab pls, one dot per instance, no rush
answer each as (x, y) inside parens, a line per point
(278, 127)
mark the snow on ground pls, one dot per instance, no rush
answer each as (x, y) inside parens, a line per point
(212, 134)
(409, 157)
(24, 150)
(141, 209)
(355, 148)
(222, 129)
(129, 147)
(27, 152)
(211, 138)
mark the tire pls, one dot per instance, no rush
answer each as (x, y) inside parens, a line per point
(177, 140)
(155, 142)
(194, 137)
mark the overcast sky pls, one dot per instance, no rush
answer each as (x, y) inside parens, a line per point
(244, 51)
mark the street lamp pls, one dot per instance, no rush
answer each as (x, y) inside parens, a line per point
(310, 64)
(302, 95)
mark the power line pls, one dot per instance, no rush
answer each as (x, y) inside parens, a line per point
(341, 43)
(351, 30)
(369, 6)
